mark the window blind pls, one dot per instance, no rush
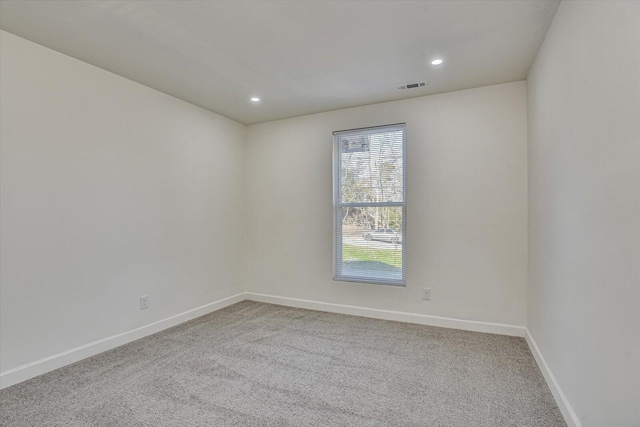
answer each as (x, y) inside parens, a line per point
(370, 205)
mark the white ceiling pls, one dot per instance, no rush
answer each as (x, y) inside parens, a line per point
(300, 57)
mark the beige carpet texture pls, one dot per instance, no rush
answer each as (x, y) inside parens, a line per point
(255, 364)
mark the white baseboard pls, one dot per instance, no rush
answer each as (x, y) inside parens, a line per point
(399, 316)
(39, 367)
(47, 364)
(568, 413)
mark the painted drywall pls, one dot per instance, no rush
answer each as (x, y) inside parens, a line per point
(110, 190)
(584, 208)
(466, 206)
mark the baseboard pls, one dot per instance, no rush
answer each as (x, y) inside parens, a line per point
(399, 316)
(568, 413)
(47, 364)
(39, 367)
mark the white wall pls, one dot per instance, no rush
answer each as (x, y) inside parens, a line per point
(110, 190)
(467, 205)
(584, 208)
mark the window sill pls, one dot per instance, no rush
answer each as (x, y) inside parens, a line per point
(394, 283)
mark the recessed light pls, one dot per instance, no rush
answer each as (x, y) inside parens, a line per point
(255, 99)
(437, 62)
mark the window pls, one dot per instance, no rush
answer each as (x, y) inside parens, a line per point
(370, 205)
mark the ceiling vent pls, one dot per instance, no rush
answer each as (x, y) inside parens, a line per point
(413, 85)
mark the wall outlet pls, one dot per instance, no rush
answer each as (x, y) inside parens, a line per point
(426, 293)
(144, 302)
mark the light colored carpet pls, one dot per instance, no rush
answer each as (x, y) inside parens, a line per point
(255, 364)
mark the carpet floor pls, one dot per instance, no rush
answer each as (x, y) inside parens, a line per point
(255, 364)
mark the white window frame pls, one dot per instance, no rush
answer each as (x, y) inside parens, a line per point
(338, 205)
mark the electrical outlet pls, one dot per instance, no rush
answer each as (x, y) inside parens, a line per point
(426, 293)
(144, 302)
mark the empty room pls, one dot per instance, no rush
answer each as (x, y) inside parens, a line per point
(320, 213)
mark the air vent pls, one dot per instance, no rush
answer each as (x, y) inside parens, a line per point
(413, 85)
